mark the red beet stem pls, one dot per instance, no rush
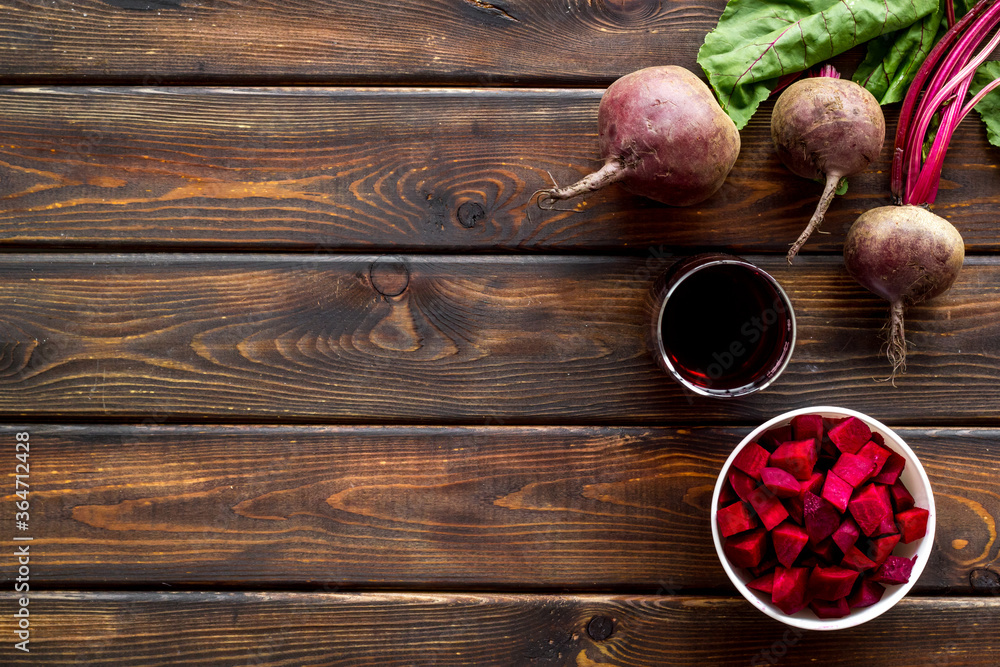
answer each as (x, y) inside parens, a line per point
(947, 73)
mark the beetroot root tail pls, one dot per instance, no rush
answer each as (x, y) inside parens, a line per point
(896, 341)
(829, 190)
(612, 171)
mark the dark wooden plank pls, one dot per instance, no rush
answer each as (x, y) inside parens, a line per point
(510, 508)
(164, 41)
(439, 339)
(435, 629)
(314, 170)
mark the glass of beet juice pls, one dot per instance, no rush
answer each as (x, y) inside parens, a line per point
(722, 327)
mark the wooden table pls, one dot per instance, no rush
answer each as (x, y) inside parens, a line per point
(308, 381)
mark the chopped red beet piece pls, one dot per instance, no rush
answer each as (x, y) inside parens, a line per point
(866, 594)
(826, 609)
(775, 436)
(805, 427)
(742, 483)
(891, 470)
(727, 496)
(814, 484)
(763, 583)
(853, 469)
(797, 457)
(821, 518)
(895, 570)
(854, 559)
(788, 540)
(827, 551)
(789, 592)
(912, 524)
(879, 548)
(901, 498)
(850, 435)
(831, 583)
(780, 482)
(878, 455)
(846, 534)
(768, 507)
(766, 564)
(795, 507)
(751, 459)
(746, 549)
(837, 491)
(869, 507)
(735, 518)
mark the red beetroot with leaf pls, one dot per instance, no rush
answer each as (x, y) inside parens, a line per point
(818, 531)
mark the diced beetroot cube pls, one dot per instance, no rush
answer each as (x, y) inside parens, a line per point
(789, 592)
(854, 559)
(766, 564)
(912, 524)
(746, 549)
(814, 484)
(837, 491)
(831, 583)
(866, 594)
(795, 507)
(727, 496)
(735, 518)
(751, 459)
(880, 548)
(878, 439)
(901, 498)
(780, 482)
(878, 455)
(888, 525)
(853, 469)
(895, 570)
(805, 427)
(775, 436)
(742, 483)
(797, 457)
(821, 518)
(891, 470)
(768, 507)
(830, 422)
(850, 435)
(763, 583)
(788, 540)
(869, 507)
(825, 609)
(846, 534)
(827, 552)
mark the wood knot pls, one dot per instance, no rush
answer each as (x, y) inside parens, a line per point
(600, 628)
(984, 580)
(470, 213)
(630, 11)
(389, 276)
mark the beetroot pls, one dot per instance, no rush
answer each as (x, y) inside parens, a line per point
(891, 470)
(900, 495)
(789, 591)
(912, 524)
(904, 254)
(895, 570)
(662, 135)
(768, 507)
(846, 535)
(807, 426)
(780, 482)
(746, 549)
(763, 583)
(831, 583)
(826, 128)
(853, 469)
(880, 548)
(751, 460)
(821, 518)
(742, 483)
(788, 540)
(825, 609)
(735, 519)
(850, 435)
(797, 457)
(877, 454)
(837, 491)
(869, 507)
(856, 560)
(866, 594)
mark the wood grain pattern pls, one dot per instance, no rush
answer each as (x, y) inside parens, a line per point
(317, 170)
(436, 508)
(449, 340)
(473, 41)
(439, 629)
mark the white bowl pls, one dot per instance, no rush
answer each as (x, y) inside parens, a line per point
(916, 482)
